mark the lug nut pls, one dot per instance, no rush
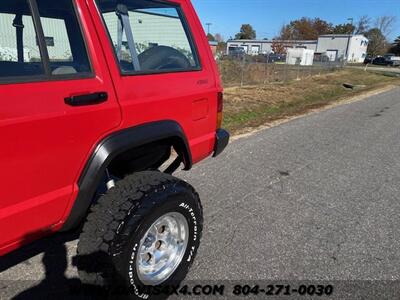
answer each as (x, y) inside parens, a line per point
(162, 229)
(158, 245)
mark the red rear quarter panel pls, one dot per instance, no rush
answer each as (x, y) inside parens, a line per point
(189, 98)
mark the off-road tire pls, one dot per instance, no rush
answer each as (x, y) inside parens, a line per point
(117, 222)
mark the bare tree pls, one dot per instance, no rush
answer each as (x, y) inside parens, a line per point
(385, 24)
(377, 42)
(221, 47)
(396, 46)
(219, 38)
(363, 25)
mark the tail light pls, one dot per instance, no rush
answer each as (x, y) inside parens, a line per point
(220, 108)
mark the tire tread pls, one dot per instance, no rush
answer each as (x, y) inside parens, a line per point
(128, 198)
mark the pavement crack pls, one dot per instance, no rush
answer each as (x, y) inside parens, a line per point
(376, 115)
(335, 254)
(235, 230)
(284, 173)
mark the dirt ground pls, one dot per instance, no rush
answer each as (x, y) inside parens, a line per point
(254, 105)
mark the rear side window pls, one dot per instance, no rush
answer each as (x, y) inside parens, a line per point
(149, 36)
(19, 51)
(50, 47)
(63, 37)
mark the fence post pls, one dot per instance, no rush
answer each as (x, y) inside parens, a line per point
(322, 66)
(285, 73)
(273, 73)
(265, 73)
(298, 70)
(242, 75)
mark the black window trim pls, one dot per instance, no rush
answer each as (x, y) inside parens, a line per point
(45, 60)
(40, 36)
(189, 36)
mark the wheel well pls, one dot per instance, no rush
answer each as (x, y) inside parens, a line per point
(150, 156)
(144, 147)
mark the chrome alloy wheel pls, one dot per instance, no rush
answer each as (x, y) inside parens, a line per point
(162, 248)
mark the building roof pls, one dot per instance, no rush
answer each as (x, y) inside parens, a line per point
(272, 41)
(341, 35)
(297, 41)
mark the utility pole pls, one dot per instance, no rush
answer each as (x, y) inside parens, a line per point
(349, 38)
(352, 24)
(208, 27)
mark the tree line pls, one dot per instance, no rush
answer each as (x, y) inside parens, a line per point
(376, 30)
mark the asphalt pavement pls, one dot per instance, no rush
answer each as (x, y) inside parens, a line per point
(395, 70)
(316, 198)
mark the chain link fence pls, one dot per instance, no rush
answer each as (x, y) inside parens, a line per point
(255, 70)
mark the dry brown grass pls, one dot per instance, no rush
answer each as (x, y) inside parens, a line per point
(237, 73)
(252, 106)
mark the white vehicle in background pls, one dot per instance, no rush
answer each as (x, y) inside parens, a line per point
(392, 57)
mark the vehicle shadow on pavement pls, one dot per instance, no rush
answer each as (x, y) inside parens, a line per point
(55, 284)
(46, 245)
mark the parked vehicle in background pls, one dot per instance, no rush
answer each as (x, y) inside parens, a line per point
(236, 52)
(392, 57)
(396, 61)
(368, 59)
(389, 55)
(274, 57)
(382, 61)
(95, 119)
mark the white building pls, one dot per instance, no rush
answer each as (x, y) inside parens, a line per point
(352, 48)
(299, 56)
(256, 47)
(335, 46)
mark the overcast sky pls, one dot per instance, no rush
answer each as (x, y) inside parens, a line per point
(268, 16)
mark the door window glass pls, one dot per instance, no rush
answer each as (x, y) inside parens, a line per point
(149, 36)
(63, 37)
(19, 50)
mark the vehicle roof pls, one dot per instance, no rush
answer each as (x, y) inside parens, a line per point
(52, 7)
(109, 5)
(13, 6)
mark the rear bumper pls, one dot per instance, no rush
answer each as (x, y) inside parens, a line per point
(222, 140)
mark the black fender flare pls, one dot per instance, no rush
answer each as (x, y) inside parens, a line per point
(111, 147)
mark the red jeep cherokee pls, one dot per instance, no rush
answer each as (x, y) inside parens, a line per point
(97, 96)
